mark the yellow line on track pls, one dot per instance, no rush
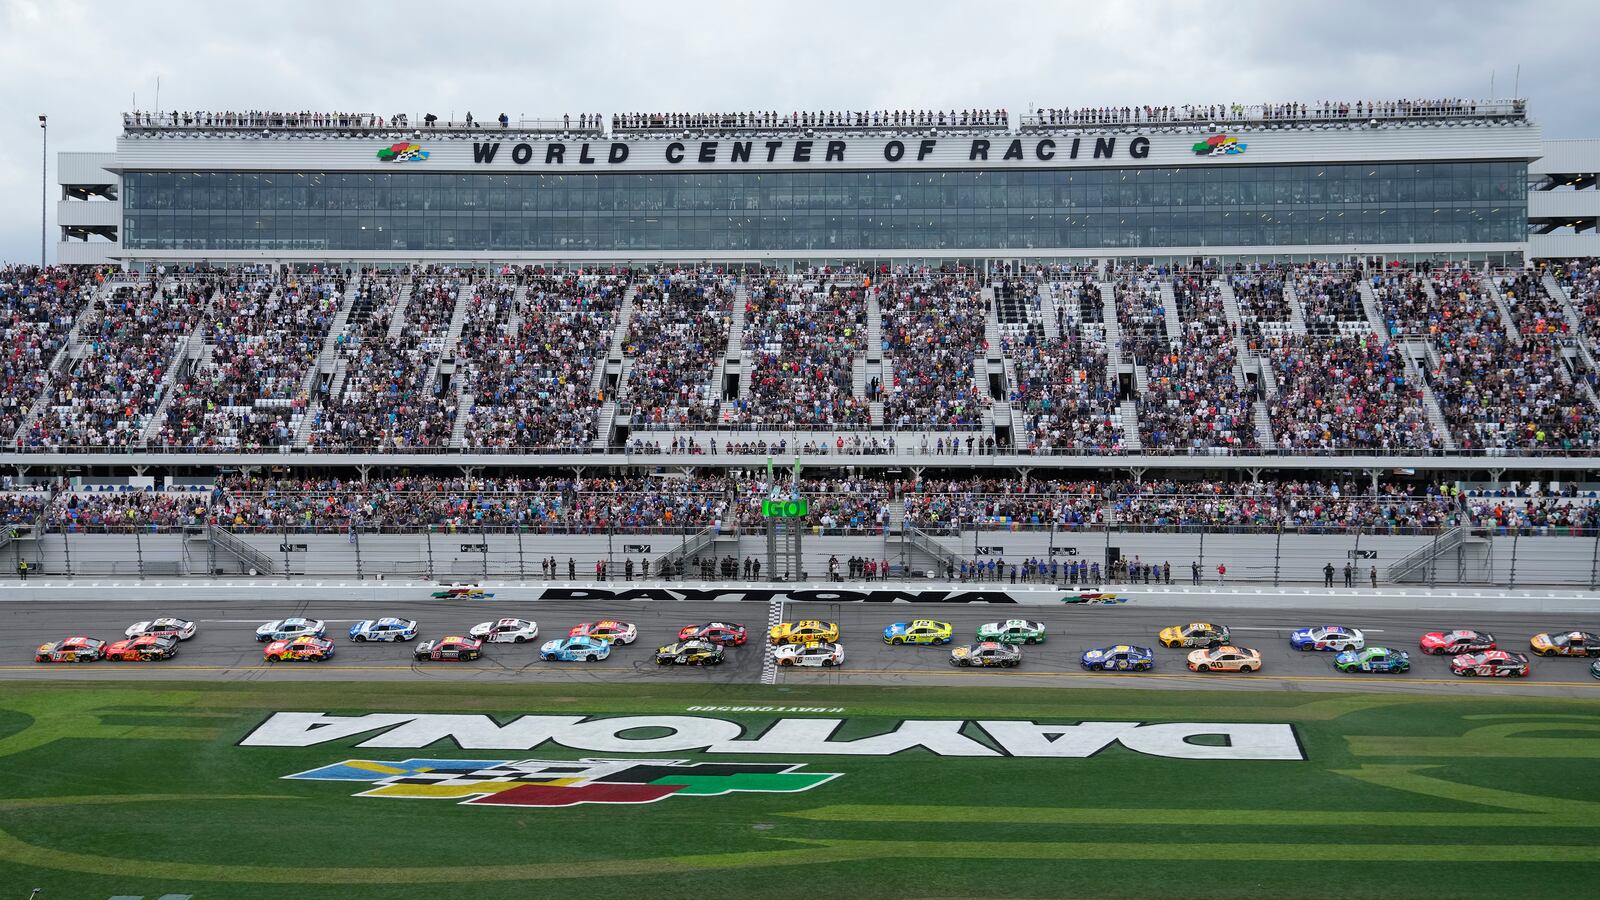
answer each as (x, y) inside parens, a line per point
(1141, 676)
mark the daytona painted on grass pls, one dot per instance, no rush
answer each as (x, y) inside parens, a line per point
(151, 788)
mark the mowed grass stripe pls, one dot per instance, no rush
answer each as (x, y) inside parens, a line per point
(810, 853)
(1236, 818)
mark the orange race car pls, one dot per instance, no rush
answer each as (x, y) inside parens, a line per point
(300, 649)
(143, 648)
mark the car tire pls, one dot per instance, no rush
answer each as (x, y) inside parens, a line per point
(1547, 653)
(360, 639)
(966, 663)
(1304, 647)
(1008, 663)
(1028, 641)
(895, 642)
(1202, 667)
(272, 659)
(1470, 673)
(827, 663)
(590, 658)
(1246, 669)
(520, 639)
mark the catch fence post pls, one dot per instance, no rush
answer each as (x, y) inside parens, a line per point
(1511, 581)
(66, 548)
(1277, 557)
(1433, 561)
(138, 549)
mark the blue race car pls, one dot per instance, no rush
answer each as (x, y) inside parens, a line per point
(575, 649)
(1121, 658)
(1373, 659)
(385, 629)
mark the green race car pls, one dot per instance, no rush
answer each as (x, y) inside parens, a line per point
(1013, 631)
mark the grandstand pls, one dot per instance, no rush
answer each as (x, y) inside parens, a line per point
(976, 331)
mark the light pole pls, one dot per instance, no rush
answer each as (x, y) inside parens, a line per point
(44, 181)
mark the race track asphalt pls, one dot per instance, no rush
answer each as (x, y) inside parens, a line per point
(225, 647)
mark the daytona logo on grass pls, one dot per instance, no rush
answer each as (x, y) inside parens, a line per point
(555, 782)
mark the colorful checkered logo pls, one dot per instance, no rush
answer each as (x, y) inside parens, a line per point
(403, 152)
(1219, 145)
(558, 782)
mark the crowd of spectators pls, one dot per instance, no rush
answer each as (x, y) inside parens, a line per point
(1294, 111)
(389, 394)
(839, 504)
(1194, 397)
(533, 386)
(1580, 278)
(1345, 393)
(676, 339)
(933, 332)
(1535, 313)
(249, 388)
(800, 345)
(108, 395)
(1263, 309)
(1062, 386)
(1330, 300)
(772, 120)
(1141, 313)
(37, 310)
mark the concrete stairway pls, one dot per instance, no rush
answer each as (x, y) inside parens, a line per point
(1430, 402)
(1297, 313)
(1128, 412)
(458, 426)
(605, 421)
(1108, 305)
(874, 324)
(1047, 312)
(1230, 303)
(1559, 294)
(1169, 302)
(519, 311)
(1492, 288)
(194, 348)
(397, 321)
(458, 322)
(1141, 379)
(1263, 423)
(1371, 306)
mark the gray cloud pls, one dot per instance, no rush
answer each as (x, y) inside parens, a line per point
(82, 62)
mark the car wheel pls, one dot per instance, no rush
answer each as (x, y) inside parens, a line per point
(966, 662)
(1469, 672)
(662, 662)
(360, 639)
(590, 658)
(520, 639)
(1202, 667)
(827, 663)
(1008, 664)
(272, 659)
(1303, 647)
(1028, 641)
(896, 642)
(1547, 653)
(1246, 669)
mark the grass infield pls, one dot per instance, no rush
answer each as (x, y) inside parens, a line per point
(141, 789)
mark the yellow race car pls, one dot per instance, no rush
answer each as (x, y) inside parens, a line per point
(1195, 634)
(918, 631)
(804, 632)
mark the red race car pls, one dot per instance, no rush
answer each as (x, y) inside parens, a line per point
(143, 648)
(1494, 663)
(453, 647)
(724, 633)
(305, 647)
(1454, 643)
(74, 649)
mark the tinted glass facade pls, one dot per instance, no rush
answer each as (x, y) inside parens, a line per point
(1146, 207)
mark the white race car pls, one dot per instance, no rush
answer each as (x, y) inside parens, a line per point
(816, 653)
(289, 629)
(162, 627)
(506, 631)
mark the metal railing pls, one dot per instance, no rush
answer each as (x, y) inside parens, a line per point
(352, 123)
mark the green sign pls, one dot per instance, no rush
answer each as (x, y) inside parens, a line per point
(784, 509)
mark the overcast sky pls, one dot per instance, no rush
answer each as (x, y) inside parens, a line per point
(84, 62)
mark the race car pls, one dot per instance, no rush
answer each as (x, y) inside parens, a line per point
(1327, 637)
(689, 653)
(606, 630)
(305, 647)
(724, 633)
(918, 631)
(986, 653)
(74, 649)
(1570, 643)
(1440, 643)
(1120, 658)
(816, 653)
(803, 632)
(162, 627)
(1195, 634)
(291, 628)
(1373, 659)
(581, 647)
(1594, 668)
(461, 592)
(142, 648)
(387, 628)
(1012, 631)
(506, 631)
(1494, 663)
(453, 647)
(1225, 659)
